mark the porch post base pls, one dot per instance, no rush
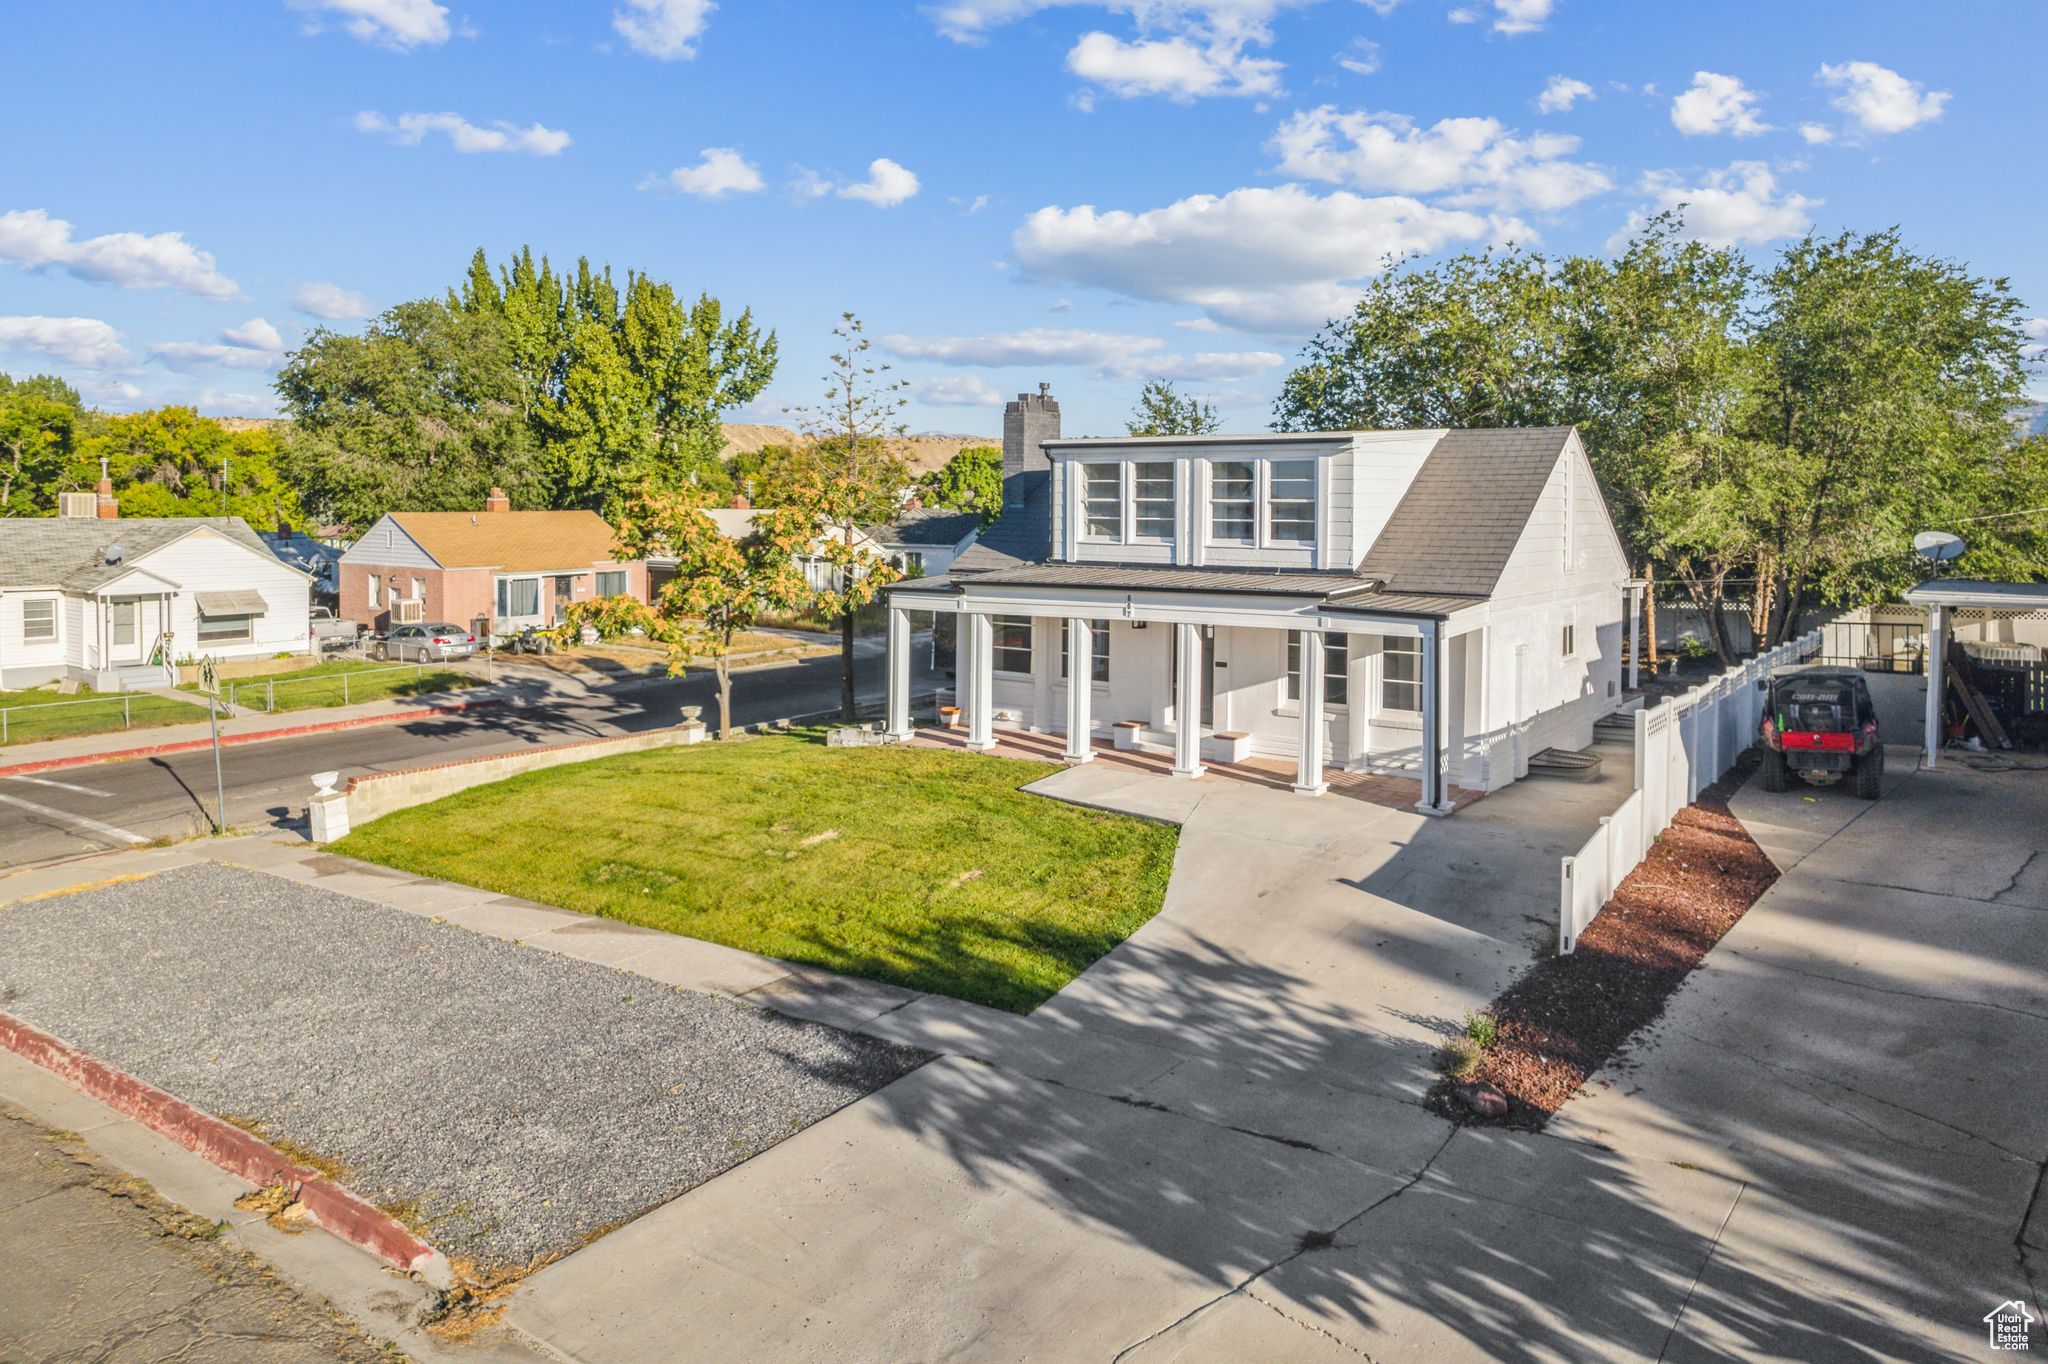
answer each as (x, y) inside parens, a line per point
(976, 746)
(1433, 811)
(1076, 759)
(1319, 788)
(1190, 772)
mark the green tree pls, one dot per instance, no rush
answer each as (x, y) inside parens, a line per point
(972, 480)
(171, 461)
(722, 586)
(39, 435)
(857, 481)
(1163, 411)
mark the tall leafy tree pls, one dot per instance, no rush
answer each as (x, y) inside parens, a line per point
(41, 424)
(972, 480)
(171, 461)
(857, 481)
(1163, 411)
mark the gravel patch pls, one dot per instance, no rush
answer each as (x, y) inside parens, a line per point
(511, 1101)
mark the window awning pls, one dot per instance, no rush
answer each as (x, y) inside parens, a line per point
(248, 602)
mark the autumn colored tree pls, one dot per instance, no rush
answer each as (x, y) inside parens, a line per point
(723, 587)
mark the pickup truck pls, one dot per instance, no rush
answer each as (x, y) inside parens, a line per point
(327, 631)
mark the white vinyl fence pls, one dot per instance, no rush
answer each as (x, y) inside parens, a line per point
(1683, 745)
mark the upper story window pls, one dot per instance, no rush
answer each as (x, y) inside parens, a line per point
(1233, 497)
(1291, 501)
(1267, 502)
(1124, 502)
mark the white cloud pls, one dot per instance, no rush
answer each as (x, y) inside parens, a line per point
(1277, 260)
(1361, 57)
(1879, 99)
(332, 302)
(1741, 206)
(1198, 324)
(31, 238)
(398, 24)
(1717, 104)
(1475, 160)
(969, 21)
(1817, 134)
(666, 29)
(83, 341)
(1463, 15)
(1112, 355)
(972, 206)
(254, 345)
(1182, 69)
(887, 185)
(722, 171)
(409, 130)
(955, 390)
(1521, 16)
(1561, 94)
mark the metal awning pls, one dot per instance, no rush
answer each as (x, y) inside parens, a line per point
(247, 602)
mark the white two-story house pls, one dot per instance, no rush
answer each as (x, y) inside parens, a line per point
(1441, 603)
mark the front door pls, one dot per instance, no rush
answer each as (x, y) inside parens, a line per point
(565, 588)
(124, 632)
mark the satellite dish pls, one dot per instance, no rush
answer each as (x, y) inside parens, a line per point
(115, 553)
(1939, 545)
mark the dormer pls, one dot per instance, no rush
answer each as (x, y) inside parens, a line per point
(1280, 501)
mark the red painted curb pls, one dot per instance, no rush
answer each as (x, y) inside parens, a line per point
(256, 736)
(327, 1204)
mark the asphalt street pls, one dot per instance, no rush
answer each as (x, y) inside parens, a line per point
(90, 809)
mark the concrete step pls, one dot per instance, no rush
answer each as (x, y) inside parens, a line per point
(1583, 765)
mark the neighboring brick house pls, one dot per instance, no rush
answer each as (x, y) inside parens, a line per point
(491, 570)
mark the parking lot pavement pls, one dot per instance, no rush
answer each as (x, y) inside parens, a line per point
(94, 1265)
(516, 1102)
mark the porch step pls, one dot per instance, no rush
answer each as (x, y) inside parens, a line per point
(143, 676)
(1583, 765)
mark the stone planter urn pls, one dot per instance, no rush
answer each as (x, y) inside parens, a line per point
(692, 727)
(588, 634)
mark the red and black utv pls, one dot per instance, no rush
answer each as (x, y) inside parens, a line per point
(1820, 725)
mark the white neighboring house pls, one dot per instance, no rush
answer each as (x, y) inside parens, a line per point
(1439, 603)
(116, 602)
(924, 541)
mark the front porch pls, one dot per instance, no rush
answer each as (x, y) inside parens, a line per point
(1393, 792)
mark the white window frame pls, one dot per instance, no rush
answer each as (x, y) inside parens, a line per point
(1262, 536)
(998, 650)
(376, 581)
(1098, 648)
(625, 580)
(1407, 646)
(1127, 518)
(30, 635)
(1568, 639)
(502, 597)
(204, 634)
(419, 590)
(1336, 671)
(1089, 470)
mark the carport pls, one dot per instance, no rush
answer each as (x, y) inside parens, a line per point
(1942, 596)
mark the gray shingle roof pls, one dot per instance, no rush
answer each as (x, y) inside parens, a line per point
(1022, 534)
(937, 526)
(1337, 591)
(71, 552)
(1461, 518)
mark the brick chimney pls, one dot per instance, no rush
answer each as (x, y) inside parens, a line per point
(739, 502)
(497, 501)
(104, 505)
(1027, 423)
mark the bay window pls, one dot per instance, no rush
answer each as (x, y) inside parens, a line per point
(1401, 674)
(1336, 668)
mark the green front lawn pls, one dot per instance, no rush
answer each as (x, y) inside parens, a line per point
(33, 716)
(915, 866)
(322, 685)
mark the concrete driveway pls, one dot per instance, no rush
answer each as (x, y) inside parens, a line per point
(1229, 1091)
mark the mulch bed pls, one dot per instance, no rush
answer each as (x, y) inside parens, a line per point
(1567, 1017)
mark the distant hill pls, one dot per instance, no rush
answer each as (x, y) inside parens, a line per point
(923, 452)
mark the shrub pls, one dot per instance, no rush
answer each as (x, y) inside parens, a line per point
(1459, 1058)
(612, 617)
(1481, 1030)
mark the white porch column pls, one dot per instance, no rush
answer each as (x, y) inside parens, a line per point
(1937, 663)
(1635, 615)
(978, 662)
(899, 672)
(1308, 777)
(1187, 714)
(1435, 792)
(1080, 689)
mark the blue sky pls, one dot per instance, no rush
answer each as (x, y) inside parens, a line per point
(1087, 192)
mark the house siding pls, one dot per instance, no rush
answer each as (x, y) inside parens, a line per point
(206, 561)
